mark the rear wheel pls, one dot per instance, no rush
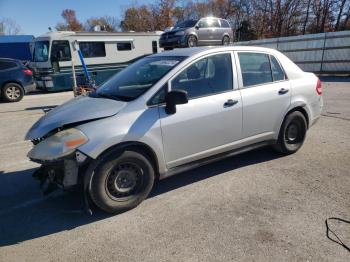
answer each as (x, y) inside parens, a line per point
(292, 133)
(121, 183)
(225, 40)
(12, 92)
(192, 41)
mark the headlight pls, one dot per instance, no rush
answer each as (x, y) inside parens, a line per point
(58, 145)
(180, 33)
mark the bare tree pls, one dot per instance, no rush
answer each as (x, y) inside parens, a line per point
(9, 26)
(107, 23)
(306, 19)
(252, 18)
(340, 13)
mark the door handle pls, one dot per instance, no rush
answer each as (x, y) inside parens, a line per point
(283, 91)
(230, 102)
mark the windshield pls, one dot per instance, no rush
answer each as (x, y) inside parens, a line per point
(137, 78)
(41, 51)
(186, 24)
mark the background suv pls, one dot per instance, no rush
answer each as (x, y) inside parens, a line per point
(15, 80)
(190, 33)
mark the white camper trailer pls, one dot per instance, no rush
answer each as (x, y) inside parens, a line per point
(104, 54)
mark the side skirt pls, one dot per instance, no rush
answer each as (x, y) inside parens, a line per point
(211, 159)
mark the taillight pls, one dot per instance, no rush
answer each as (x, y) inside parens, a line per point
(319, 87)
(27, 72)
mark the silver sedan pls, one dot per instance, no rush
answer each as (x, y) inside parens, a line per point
(170, 112)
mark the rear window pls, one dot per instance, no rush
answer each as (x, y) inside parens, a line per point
(7, 65)
(277, 71)
(92, 49)
(224, 23)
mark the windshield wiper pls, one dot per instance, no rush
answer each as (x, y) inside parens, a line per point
(115, 97)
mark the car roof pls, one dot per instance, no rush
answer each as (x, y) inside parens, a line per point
(205, 49)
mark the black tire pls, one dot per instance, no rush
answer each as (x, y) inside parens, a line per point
(168, 48)
(292, 133)
(225, 40)
(121, 182)
(192, 41)
(12, 92)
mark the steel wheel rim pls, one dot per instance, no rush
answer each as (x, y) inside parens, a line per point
(293, 134)
(13, 92)
(124, 180)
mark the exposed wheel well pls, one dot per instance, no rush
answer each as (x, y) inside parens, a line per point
(303, 111)
(138, 147)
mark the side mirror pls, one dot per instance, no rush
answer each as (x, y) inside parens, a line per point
(197, 27)
(173, 98)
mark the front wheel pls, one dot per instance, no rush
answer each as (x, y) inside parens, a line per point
(121, 183)
(292, 133)
(192, 41)
(12, 92)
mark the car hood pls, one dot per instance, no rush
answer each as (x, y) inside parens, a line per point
(79, 109)
(179, 29)
(174, 30)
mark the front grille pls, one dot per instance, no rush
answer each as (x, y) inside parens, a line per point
(168, 35)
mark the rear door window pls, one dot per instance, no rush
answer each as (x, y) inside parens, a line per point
(209, 22)
(214, 23)
(4, 65)
(255, 68)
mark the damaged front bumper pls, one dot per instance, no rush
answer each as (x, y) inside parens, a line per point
(64, 173)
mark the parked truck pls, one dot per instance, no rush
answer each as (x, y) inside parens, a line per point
(16, 47)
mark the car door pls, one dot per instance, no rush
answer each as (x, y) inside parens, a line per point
(212, 118)
(202, 31)
(266, 94)
(216, 32)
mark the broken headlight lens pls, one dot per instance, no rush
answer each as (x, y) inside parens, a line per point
(58, 145)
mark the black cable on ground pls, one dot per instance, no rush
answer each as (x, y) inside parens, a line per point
(336, 239)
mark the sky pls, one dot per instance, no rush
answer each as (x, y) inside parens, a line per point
(35, 16)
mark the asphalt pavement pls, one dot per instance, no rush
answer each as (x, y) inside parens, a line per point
(257, 206)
